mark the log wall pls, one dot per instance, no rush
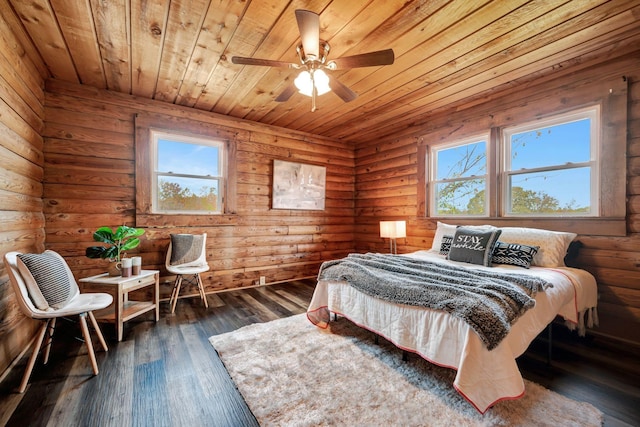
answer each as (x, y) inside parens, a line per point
(388, 171)
(21, 172)
(89, 181)
(67, 167)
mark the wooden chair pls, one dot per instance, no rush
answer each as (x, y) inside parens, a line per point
(187, 257)
(76, 304)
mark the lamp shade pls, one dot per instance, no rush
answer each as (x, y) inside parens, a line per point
(393, 229)
(321, 81)
(305, 82)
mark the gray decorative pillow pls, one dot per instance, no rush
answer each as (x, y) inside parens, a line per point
(445, 246)
(473, 245)
(186, 248)
(48, 279)
(514, 254)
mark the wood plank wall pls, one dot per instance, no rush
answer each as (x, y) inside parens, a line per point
(387, 176)
(21, 171)
(89, 182)
(67, 168)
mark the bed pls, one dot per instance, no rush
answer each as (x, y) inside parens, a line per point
(486, 373)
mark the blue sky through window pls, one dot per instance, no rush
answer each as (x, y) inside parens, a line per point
(462, 161)
(185, 158)
(553, 146)
(189, 159)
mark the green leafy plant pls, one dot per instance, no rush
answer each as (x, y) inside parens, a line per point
(123, 239)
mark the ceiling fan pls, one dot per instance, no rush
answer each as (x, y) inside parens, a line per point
(312, 80)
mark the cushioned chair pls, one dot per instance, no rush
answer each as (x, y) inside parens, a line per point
(45, 290)
(187, 258)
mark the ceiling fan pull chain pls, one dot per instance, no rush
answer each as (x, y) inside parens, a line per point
(314, 91)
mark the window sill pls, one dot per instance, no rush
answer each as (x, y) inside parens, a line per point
(578, 225)
(185, 220)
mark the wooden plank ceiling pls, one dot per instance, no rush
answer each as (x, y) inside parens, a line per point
(447, 52)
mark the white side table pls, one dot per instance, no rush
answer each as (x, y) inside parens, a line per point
(122, 308)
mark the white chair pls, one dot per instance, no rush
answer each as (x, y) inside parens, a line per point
(75, 303)
(187, 257)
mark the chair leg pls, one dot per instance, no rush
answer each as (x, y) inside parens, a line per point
(48, 343)
(176, 293)
(201, 289)
(173, 290)
(98, 331)
(87, 340)
(34, 355)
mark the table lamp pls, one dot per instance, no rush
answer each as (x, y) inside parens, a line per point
(393, 230)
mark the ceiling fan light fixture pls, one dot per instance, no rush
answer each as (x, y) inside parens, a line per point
(321, 81)
(312, 53)
(303, 83)
(306, 81)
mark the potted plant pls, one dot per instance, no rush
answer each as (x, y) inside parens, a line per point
(123, 239)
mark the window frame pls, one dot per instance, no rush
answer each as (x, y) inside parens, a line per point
(432, 168)
(145, 124)
(221, 178)
(549, 98)
(504, 171)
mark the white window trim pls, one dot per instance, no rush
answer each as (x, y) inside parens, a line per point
(221, 178)
(610, 94)
(432, 170)
(593, 113)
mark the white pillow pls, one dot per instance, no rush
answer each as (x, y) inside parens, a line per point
(552, 245)
(442, 230)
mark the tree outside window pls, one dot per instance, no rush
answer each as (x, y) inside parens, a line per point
(551, 166)
(460, 179)
(548, 168)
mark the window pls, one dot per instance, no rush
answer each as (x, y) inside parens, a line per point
(460, 178)
(185, 172)
(585, 175)
(188, 174)
(546, 168)
(551, 166)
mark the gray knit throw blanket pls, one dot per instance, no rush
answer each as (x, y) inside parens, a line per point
(490, 302)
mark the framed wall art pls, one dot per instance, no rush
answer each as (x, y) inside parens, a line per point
(298, 186)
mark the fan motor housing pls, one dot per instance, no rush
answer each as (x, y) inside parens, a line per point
(306, 59)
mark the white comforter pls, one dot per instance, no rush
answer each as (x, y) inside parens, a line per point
(483, 377)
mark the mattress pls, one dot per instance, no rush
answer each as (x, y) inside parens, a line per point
(483, 377)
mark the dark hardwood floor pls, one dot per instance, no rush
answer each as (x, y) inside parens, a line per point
(167, 373)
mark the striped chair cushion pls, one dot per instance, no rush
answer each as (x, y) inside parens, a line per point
(48, 280)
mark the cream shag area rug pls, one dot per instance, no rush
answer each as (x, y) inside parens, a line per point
(292, 373)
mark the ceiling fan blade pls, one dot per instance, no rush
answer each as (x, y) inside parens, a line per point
(309, 26)
(342, 91)
(371, 59)
(263, 62)
(286, 93)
